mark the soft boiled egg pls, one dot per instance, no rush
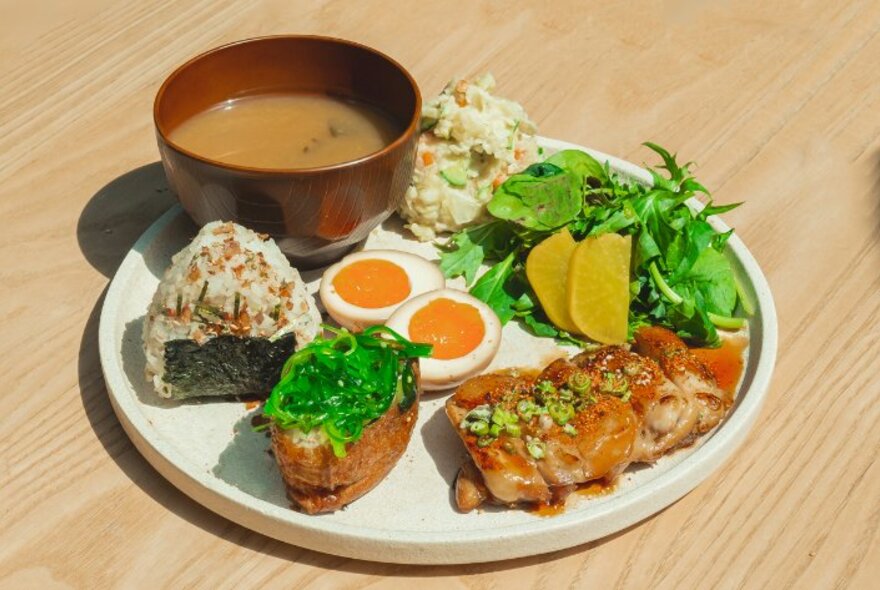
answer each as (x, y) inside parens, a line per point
(464, 331)
(363, 289)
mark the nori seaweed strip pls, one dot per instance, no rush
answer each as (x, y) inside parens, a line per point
(225, 366)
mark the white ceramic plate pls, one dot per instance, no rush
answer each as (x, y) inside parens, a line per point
(209, 451)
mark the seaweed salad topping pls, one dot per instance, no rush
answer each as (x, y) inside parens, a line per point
(342, 383)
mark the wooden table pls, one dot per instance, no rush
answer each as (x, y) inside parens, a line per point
(778, 102)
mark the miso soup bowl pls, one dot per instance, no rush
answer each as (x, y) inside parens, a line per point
(315, 215)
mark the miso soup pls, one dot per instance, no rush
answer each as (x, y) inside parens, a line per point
(286, 131)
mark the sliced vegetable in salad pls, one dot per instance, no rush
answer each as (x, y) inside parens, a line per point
(679, 276)
(343, 383)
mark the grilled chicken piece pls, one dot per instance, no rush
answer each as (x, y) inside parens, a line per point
(319, 481)
(542, 459)
(510, 474)
(605, 432)
(581, 419)
(688, 373)
(470, 489)
(667, 415)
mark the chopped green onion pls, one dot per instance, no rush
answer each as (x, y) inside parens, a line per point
(546, 387)
(501, 416)
(479, 428)
(583, 402)
(544, 391)
(561, 413)
(616, 387)
(536, 449)
(580, 382)
(526, 408)
(480, 413)
(513, 429)
(569, 430)
(611, 385)
(485, 441)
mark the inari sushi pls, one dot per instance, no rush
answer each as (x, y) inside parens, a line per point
(228, 312)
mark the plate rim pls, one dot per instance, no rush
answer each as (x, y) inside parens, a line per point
(449, 546)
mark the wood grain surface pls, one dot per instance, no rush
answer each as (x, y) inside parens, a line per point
(778, 103)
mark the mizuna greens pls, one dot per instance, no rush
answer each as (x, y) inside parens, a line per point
(341, 384)
(680, 277)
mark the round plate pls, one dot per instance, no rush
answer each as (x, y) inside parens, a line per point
(211, 453)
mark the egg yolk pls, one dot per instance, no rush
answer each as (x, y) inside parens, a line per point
(453, 328)
(372, 283)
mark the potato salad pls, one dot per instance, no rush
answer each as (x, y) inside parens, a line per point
(471, 142)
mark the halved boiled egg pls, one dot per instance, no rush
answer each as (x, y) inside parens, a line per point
(464, 331)
(363, 289)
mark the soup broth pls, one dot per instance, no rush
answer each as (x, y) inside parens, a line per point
(286, 131)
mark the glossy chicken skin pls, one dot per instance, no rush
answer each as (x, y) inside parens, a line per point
(606, 431)
(625, 408)
(667, 415)
(507, 472)
(509, 476)
(687, 373)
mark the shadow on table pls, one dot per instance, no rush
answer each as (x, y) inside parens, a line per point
(109, 225)
(116, 216)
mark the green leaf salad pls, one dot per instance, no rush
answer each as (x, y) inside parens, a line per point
(680, 277)
(342, 384)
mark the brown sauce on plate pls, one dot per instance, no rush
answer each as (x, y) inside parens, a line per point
(598, 487)
(725, 362)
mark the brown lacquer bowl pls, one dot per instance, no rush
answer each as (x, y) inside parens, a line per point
(315, 214)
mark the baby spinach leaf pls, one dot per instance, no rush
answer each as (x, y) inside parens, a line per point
(542, 197)
(580, 164)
